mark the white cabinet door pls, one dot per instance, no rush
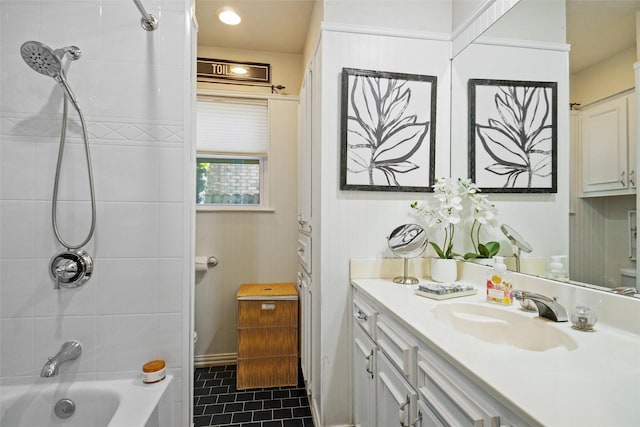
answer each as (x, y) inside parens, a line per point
(364, 378)
(304, 154)
(396, 399)
(631, 121)
(304, 289)
(604, 146)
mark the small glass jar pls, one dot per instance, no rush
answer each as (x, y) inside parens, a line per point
(582, 318)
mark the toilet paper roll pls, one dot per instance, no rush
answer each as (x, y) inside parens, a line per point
(202, 263)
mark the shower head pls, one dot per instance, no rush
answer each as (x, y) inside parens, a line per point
(47, 61)
(41, 58)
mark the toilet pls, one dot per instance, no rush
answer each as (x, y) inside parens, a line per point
(628, 277)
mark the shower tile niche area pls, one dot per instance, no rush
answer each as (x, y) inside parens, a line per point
(135, 306)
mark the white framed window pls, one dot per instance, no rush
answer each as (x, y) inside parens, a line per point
(232, 153)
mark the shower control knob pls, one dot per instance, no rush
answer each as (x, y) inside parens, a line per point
(71, 268)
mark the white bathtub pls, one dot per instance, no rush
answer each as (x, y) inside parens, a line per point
(111, 403)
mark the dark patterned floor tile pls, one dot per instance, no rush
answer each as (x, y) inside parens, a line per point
(217, 402)
(242, 417)
(253, 405)
(202, 421)
(213, 409)
(281, 414)
(272, 404)
(263, 415)
(221, 419)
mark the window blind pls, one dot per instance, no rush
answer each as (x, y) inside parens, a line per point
(230, 125)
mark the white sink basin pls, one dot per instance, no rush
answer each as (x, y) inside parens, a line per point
(498, 326)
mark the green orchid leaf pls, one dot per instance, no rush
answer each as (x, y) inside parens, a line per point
(437, 249)
(492, 248)
(483, 251)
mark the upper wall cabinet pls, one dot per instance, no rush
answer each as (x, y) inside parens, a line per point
(608, 147)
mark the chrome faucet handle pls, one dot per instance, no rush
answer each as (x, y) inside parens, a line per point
(549, 308)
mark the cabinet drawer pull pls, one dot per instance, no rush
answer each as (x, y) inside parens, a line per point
(622, 181)
(268, 306)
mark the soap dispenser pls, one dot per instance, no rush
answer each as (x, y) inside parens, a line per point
(499, 285)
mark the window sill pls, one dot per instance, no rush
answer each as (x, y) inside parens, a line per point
(232, 208)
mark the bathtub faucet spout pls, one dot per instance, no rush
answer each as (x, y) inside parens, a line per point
(70, 350)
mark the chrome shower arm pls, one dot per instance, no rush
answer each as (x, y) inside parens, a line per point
(148, 21)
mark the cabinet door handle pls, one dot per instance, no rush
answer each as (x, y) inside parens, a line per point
(632, 178)
(361, 316)
(622, 181)
(418, 419)
(369, 367)
(402, 413)
(268, 306)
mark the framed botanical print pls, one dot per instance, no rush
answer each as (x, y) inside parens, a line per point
(513, 136)
(387, 131)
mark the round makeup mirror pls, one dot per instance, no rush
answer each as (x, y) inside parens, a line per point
(407, 241)
(517, 241)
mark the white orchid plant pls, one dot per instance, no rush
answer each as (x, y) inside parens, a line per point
(454, 202)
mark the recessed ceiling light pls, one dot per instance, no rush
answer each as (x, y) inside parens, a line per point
(229, 17)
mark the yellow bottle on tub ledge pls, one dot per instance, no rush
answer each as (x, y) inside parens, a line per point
(499, 286)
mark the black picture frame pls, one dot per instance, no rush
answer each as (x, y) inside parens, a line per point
(513, 135)
(387, 131)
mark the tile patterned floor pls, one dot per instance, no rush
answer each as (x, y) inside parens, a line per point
(218, 403)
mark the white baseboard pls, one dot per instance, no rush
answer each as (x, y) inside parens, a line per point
(220, 359)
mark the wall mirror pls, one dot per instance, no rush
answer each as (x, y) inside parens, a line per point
(600, 33)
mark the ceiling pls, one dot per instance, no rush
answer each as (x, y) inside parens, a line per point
(267, 25)
(596, 29)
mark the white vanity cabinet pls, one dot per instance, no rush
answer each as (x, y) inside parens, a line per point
(608, 146)
(364, 378)
(400, 379)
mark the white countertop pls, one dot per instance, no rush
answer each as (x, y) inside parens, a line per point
(596, 384)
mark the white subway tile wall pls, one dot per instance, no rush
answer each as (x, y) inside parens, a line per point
(132, 86)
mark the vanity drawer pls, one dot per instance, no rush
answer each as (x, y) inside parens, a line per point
(452, 398)
(365, 315)
(400, 348)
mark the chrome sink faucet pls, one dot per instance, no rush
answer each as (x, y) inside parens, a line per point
(70, 350)
(549, 308)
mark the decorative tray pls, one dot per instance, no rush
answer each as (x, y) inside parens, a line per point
(441, 291)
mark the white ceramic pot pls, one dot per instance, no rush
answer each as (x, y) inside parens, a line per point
(444, 270)
(490, 262)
